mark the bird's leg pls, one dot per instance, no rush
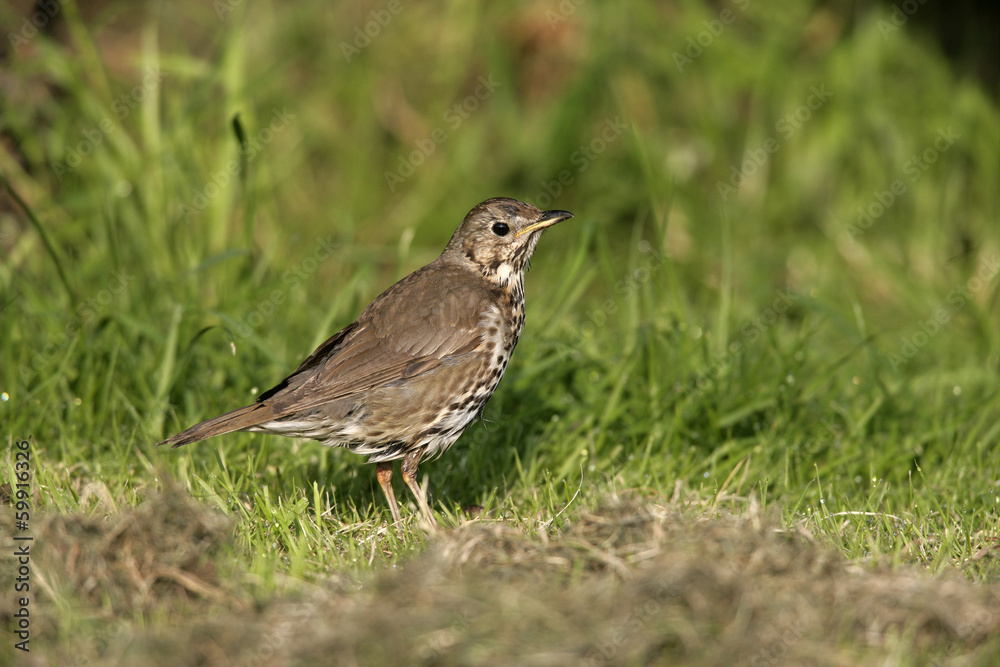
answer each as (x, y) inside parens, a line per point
(409, 468)
(383, 471)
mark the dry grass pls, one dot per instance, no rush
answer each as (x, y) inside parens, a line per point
(636, 581)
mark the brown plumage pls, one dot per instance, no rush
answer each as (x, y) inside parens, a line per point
(418, 365)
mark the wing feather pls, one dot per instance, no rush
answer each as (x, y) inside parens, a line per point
(418, 324)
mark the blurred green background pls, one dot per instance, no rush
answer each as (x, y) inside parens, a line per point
(783, 262)
(779, 289)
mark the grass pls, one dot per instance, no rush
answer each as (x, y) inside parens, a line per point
(776, 312)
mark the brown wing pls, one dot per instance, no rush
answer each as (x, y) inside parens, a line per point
(416, 325)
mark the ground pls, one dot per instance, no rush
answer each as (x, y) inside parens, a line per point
(753, 418)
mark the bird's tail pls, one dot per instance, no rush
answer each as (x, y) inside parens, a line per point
(236, 420)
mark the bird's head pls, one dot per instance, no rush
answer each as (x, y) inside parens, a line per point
(498, 236)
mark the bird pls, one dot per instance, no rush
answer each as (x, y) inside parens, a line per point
(418, 365)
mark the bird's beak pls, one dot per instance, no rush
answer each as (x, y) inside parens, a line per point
(546, 219)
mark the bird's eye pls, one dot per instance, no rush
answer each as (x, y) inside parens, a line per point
(500, 228)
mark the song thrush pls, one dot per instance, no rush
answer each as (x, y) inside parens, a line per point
(418, 365)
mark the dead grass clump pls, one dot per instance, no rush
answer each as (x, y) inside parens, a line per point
(141, 559)
(630, 582)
